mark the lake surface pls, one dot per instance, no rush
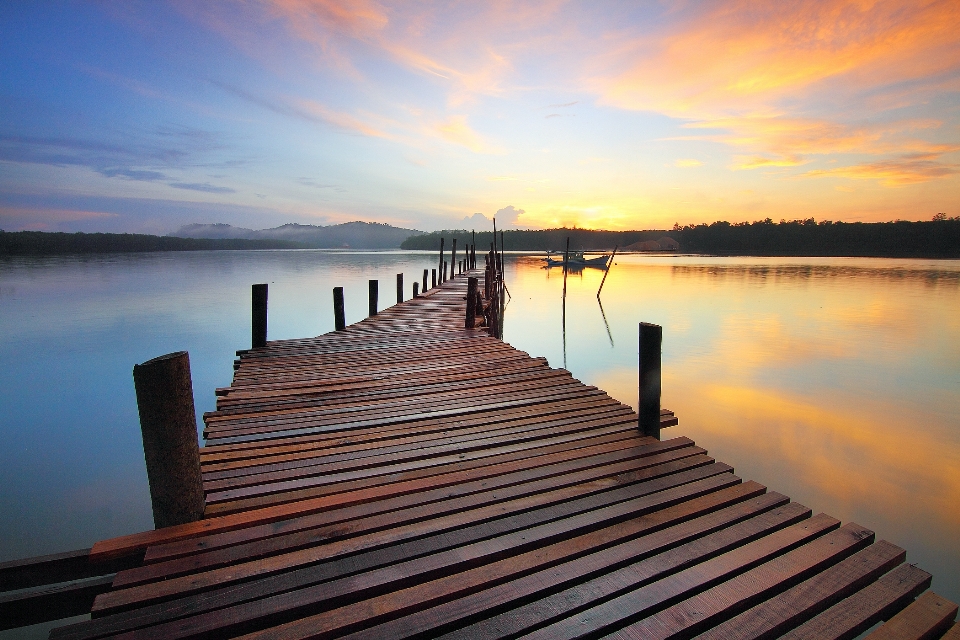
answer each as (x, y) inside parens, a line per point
(835, 381)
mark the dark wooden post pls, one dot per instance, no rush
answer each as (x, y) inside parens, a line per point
(339, 317)
(651, 336)
(168, 422)
(471, 302)
(440, 264)
(444, 271)
(433, 278)
(453, 259)
(425, 280)
(399, 288)
(416, 289)
(373, 298)
(259, 316)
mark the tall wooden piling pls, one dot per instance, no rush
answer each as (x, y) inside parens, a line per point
(372, 306)
(433, 278)
(444, 272)
(258, 309)
(425, 271)
(651, 336)
(339, 317)
(471, 318)
(416, 289)
(399, 288)
(168, 422)
(441, 263)
(453, 259)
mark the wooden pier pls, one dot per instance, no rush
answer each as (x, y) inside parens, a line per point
(408, 477)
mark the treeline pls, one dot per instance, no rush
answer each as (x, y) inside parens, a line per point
(541, 240)
(49, 243)
(939, 238)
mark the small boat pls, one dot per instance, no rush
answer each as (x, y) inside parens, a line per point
(576, 260)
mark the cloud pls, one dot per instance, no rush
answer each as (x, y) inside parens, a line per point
(509, 216)
(132, 174)
(910, 169)
(475, 221)
(686, 163)
(206, 187)
(457, 131)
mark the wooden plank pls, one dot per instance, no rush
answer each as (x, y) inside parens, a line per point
(564, 518)
(878, 601)
(330, 594)
(774, 617)
(717, 603)
(927, 618)
(50, 602)
(430, 607)
(370, 517)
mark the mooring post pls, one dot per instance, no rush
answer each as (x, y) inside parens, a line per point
(453, 259)
(433, 278)
(373, 298)
(425, 280)
(416, 289)
(440, 264)
(339, 317)
(651, 336)
(259, 315)
(168, 422)
(444, 271)
(471, 303)
(399, 288)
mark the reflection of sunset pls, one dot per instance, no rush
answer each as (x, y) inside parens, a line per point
(832, 380)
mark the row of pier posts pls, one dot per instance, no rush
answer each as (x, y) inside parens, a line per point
(165, 391)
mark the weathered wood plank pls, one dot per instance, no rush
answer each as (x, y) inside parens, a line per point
(926, 618)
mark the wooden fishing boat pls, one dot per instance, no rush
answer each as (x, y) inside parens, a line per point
(576, 260)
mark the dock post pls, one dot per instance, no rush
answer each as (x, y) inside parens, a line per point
(471, 319)
(441, 263)
(444, 271)
(374, 284)
(651, 336)
(416, 289)
(399, 288)
(339, 318)
(433, 278)
(259, 315)
(425, 280)
(453, 259)
(168, 422)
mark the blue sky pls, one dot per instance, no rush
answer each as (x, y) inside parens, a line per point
(144, 116)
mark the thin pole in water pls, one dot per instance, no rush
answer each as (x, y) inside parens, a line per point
(609, 264)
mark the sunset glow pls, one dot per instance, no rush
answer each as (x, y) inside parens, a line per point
(142, 116)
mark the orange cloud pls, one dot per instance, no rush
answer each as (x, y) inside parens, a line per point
(905, 170)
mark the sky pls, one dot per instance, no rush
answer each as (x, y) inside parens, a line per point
(145, 116)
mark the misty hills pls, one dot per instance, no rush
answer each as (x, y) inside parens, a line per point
(352, 235)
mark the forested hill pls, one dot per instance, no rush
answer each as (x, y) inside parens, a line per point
(935, 239)
(43, 243)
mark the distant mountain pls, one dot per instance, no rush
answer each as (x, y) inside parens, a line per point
(353, 235)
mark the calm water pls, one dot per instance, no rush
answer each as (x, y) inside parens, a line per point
(834, 381)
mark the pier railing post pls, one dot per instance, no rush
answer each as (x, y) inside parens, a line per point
(433, 278)
(471, 318)
(168, 422)
(416, 289)
(444, 271)
(374, 284)
(651, 336)
(425, 280)
(339, 318)
(399, 288)
(259, 315)
(453, 260)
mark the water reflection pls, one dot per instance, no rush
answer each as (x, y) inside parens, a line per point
(836, 381)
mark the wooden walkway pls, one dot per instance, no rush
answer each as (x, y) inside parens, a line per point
(408, 477)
